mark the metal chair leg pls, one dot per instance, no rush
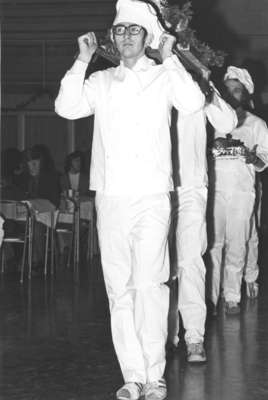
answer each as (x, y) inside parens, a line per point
(25, 245)
(70, 250)
(77, 244)
(2, 259)
(90, 241)
(52, 244)
(78, 239)
(23, 262)
(30, 254)
(46, 250)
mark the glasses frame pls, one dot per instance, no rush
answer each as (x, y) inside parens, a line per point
(127, 29)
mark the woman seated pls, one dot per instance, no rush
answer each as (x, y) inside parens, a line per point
(75, 177)
(11, 189)
(12, 174)
(76, 180)
(41, 176)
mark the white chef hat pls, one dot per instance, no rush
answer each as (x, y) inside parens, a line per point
(137, 12)
(242, 75)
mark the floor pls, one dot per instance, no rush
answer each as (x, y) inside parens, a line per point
(55, 344)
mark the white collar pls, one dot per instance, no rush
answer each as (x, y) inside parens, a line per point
(143, 64)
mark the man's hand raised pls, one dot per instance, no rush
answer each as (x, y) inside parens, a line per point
(165, 45)
(87, 46)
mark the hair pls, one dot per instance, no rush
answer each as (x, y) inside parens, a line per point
(42, 153)
(11, 158)
(72, 156)
(245, 98)
(46, 156)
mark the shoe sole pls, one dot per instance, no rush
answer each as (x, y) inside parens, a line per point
(126, 398)
(151, 397)
(196, 360)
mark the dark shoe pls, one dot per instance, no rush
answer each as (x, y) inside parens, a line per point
(196, 353)
(232, 307)
(214, 311)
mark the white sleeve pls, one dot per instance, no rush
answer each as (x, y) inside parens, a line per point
(261, 135)
(186, 95)
(221, 115)
(76, 95)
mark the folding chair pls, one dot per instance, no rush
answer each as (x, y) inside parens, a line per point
(68, 222)
(20, 212)
(92, 233)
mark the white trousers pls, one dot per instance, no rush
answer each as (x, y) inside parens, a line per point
(251, 271)
(191, 241)
(133, 242)
(231, 230)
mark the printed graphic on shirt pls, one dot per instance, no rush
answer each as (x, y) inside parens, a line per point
(228, 148)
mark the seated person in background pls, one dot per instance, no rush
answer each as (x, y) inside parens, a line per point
(10, 189)
(41, 179)
(48, 161)
(12, 174)
(75, 176)
(42, 182)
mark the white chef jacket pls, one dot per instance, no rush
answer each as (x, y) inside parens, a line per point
(192, 140)
(232, 174)
(131, 150)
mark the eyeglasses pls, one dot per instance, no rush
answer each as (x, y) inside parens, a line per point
(121, 30)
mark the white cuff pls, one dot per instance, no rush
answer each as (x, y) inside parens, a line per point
(172, 62)
(79, 67)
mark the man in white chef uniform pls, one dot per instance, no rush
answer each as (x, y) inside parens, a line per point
(190, 214)
(237, 158)
(131, 174)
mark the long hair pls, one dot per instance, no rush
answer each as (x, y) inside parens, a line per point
(42, 153)
(11, 158)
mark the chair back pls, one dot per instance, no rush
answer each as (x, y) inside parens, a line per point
(20, 212)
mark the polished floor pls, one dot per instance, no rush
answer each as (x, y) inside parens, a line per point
(55, 344)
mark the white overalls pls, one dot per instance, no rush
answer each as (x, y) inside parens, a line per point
(233, 209)
(131, 173)
(190, 214)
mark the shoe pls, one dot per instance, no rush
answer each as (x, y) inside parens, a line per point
(232, 307)
(155, 390)
(130, 391)
(214, 310)
(252, 289)
(196, 353)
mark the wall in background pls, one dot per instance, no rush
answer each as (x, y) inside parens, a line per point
(39, 43)
(24, 129)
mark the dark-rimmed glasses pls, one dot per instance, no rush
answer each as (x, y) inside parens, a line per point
(121, 29)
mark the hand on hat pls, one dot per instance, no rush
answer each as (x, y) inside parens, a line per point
(87, 46)
(166, 43)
